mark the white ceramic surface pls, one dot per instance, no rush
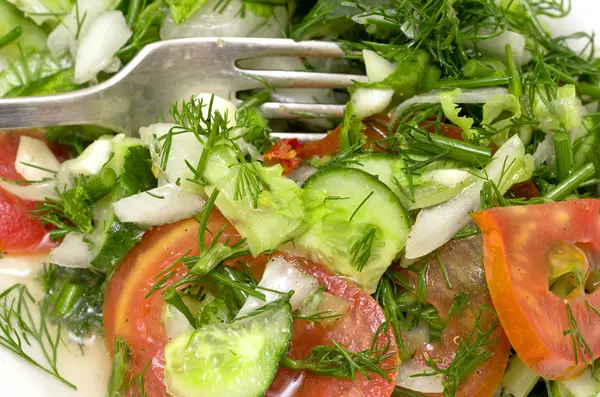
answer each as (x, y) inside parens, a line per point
(19, 379)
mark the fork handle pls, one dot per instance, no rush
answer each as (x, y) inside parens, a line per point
(76, 108)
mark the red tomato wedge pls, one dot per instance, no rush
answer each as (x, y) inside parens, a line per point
(517, 243)
(463, 264)
(140, 320)
(355, 332)
(20, 232)
(128, 314)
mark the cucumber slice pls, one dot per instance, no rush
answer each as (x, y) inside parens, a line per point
(353, 237)
(112, 238)
(519, 379)
(239, 359)
(437, 182)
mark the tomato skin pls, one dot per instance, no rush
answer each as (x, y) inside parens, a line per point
(516, 240)
(285, 152)
(20, 232)
(375, 130)
(355, 332)
(139, 321)
(463, 263)
(128, 314)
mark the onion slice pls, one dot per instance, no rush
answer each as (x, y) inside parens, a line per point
(74, 251)
(436, 225)
(33, 158)
(370, 101)
(98, 45)
(92, 159)
(282, 276)
(478, 95)
(165, 204)
(34, 192)
(422, 384)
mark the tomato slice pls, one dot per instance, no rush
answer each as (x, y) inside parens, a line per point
(128, 314)
(140, 320)
(20, 232)
(517, 241)
(355, 331)
(462, 261)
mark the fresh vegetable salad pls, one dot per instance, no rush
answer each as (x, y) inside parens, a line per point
(442, 239)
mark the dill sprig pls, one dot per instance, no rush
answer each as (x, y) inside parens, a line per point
(72, 212)
(362, 248)
(581, 348)
(19, 330)
(318, 317)
(472, 352)
(338, 362)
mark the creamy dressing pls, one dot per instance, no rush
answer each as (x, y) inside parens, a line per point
(87, 368)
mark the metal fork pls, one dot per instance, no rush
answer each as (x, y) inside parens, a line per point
(169, 71)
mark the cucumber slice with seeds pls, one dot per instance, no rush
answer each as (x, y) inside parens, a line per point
(357, 224)
(239, 359)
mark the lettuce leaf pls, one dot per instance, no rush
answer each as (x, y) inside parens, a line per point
(37, 74)
(182, 10)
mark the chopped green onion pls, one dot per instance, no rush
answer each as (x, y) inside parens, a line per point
(11, 36)
(474, 83)
(256, 100)
(172, 297)
(67, 299)
(477, 68)
(564, 154)
(564, 188)
(515, 86)
(455, 149)
(100, 185)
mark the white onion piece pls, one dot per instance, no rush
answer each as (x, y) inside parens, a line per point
(183, 147)
(72, 252)
(447, 177)
(91, 160)
(213, 20)
(370, 101)
(221, 105)
(64, 36)
(165, 204)
(582, 386)
(495, 46)
(282, 276)
(98, 45)
(544, 151)
(377, 67)
(478, 95)
(34, 192)
(422, 384)
(38, 154)
(436, 225)
(302, 173)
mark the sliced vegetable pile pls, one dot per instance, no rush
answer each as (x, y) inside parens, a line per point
(441, 240)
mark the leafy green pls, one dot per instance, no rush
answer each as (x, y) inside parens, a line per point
(409, 76)
(32, 38)
(36, 74)
(44, 11)
(352, 127)
(182, 10)
(452, 110)
(76, 138)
